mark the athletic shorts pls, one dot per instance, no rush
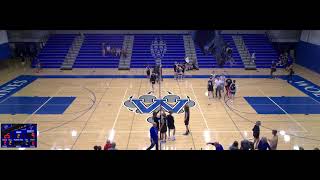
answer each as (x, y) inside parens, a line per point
(186, 122)
(164, 129)
(171, 126)
(256, 136)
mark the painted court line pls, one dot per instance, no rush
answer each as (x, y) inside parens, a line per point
(112, 133)
(29, 117)
(283, 110)
(205, 121)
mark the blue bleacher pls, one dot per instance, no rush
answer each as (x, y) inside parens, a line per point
(141, 54)
(208, 61)
(90, 54)
(55, 50)
(260, 44)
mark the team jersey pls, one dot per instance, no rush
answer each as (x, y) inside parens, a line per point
(233, 87)
(153, 78)
(229, 82)
(210, 84)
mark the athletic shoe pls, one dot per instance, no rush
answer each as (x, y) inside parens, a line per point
(173, 138)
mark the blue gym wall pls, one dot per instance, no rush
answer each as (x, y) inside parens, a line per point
(308, 50)
(4, 46)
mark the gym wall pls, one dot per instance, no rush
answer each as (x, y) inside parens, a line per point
(308, 50)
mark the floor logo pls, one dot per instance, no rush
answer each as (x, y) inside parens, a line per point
(146, 104)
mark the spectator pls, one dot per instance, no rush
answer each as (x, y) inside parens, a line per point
(219, 86)
(154, 136)
(97, 148)
(108, 49)
(263, 144)
(217, 146)
(234, 146)
(113, 51)
(256, 132)
(108, 145)
(118, 51)
(246, 145)
(274, 140)
(113, 146)
(253, 58)
(103, 50)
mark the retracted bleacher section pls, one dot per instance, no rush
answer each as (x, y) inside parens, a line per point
(55, 50)
(209, 61)
(264, 51)
(90, 55)
(141, 54)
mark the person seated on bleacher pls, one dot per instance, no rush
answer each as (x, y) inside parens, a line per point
(108, 50)
(118, 52)
(113, 51)
(124, 53)
(103, 50)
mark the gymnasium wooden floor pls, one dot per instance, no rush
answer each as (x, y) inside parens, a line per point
(86, 123)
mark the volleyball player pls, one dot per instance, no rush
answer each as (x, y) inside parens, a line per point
(291, 72)
(179, 71)
(153, 80)
(148, 71)
(170, 121)
(183, 67)
(156, 119)
(163, 127)
(273, 69)
(175, 67)
(228, 83)
(210, 88)
(186, 119)
(233, 89)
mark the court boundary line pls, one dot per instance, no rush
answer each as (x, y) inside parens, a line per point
(290, 117)
(201, 112)
(31, 115)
